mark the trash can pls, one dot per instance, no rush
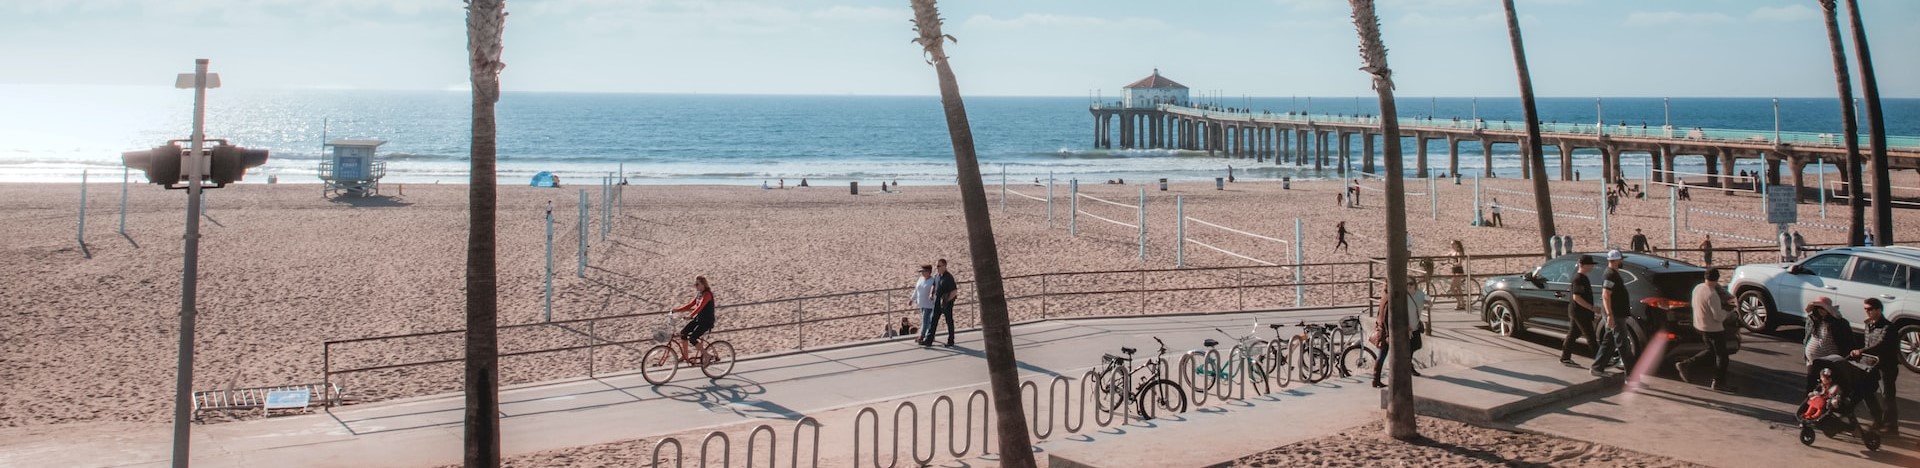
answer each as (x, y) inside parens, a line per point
(854, 187)
(1286, 183)
(1219, 183)
(1163, 184)
(1456, 178)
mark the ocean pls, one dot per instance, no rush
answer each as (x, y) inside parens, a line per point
(53, 133)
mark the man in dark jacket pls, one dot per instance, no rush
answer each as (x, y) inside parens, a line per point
(1882, 344)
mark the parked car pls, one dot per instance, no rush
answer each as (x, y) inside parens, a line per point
(1659, 288)
(1768, 295)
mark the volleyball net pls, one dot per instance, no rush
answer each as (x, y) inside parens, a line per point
(1192, 221)
(1838, 190)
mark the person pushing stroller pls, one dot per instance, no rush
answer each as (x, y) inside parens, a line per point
(1844, 384)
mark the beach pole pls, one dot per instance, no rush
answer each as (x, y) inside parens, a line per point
(1606, 235)
(606, 207)
(1477, 219)
(82, 235)
(581, 271)
(1073, 207)
(1050, 200)
(549, 260)
(1143, 224)
(1299, 277)
(1179, 232)
(1673, 220)
(1003, 187)
(1433, 197)
(190, 273)
(124, 171)
(1823, 187)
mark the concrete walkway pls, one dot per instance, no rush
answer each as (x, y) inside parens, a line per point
(427, 431)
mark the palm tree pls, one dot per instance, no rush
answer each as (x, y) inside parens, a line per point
(1016, 450)
(1373, 57)
(1876, 129)
(1856, 227)
(486, 20)
(1537, 157)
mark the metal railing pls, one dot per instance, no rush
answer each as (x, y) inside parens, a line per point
(410, 364)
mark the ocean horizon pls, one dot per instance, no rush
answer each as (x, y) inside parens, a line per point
(57, 132)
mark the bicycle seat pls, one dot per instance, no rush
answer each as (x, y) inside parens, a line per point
(1210, 342)
(1127, 350)
(1275, 326)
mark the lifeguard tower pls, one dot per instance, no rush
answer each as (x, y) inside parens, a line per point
(351, 169)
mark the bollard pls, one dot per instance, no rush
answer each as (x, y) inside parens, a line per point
(581, 271)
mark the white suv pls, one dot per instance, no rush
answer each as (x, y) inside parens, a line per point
(1768, 293)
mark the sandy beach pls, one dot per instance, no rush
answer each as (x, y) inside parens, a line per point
(92, 340)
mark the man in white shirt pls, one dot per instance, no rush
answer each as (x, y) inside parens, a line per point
(1709, 315)
(923, 299)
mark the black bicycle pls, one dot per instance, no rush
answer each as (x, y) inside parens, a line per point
(1153, 396)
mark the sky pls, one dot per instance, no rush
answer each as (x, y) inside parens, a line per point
(1732, 48)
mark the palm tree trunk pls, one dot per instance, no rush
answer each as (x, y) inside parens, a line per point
(1856, 227)
(1542, 198)
(1016, 450)
(486, 20)
(1373, 57)
(1877, 131)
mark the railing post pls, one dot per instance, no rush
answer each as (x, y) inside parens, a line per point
(1043, 295)
(593, 341)
(1240, 286)
(326, 370)
(800, 322)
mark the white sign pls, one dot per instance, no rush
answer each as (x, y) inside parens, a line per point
(1782, 205)
(286, 399)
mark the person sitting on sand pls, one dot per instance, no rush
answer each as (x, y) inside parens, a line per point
(700, 319)
(763, 185)
(803, 181)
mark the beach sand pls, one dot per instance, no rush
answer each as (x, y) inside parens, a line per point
(92, 340)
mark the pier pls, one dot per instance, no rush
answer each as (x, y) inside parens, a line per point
(1323, 141)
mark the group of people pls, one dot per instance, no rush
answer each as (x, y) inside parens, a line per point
(1603, 323)
(934, 293)
(1836, 354)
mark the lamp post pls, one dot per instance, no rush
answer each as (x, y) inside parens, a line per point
(1599, 118)
(199, 81)
(1776, 121)
(1666, 123)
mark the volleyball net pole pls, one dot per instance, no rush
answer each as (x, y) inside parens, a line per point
(1049, 199)
(1299, 277)
(1142, 220)
(1606, 235)
(1673, 221)
(1179, 231)
(1073, 208)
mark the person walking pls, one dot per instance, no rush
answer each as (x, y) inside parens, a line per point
(1580, 312)
(1415, 300)
(945, 293)
(1709, 317)
(1340, 236)
(1613, 296)
(1880, 343)
(1457, 280)
(1828, 334)
(1706, 250)
(923, 300)
(1639, 243)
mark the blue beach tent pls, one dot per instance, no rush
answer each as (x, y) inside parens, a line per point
(545, 179)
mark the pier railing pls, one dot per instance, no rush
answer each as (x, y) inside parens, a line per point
(1722, 135)
(385, 367)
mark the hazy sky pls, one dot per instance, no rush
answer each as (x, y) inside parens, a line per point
(1758, 48)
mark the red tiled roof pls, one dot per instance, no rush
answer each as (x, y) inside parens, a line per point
(1156, 81)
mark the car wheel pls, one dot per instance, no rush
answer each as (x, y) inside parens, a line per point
(1910, 346)
(1502, 318)
(1756, 310)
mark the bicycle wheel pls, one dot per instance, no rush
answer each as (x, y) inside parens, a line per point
(1161, 397)
(659, 364)
(1283, 364)
(1315, 365)
(717, 360)
(1111, 391)
(1356, 358)
(1259, 360)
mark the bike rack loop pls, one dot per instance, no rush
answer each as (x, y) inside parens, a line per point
(726, 448)
(773, 445)
(654, 460)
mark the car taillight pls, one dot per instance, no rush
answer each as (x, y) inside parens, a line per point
(1664, 303)
(1671, 336)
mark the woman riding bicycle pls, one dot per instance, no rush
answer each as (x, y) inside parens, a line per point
(699, 318)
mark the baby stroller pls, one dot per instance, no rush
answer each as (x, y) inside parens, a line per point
(1843, 384)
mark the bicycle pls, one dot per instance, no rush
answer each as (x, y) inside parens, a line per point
(1249, 353)
(1154, 394)
(1325, 348)
(662, 361)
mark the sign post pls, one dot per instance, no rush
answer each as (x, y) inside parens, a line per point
(1782, 210)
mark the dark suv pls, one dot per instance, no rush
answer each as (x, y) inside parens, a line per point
(1538, 299)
